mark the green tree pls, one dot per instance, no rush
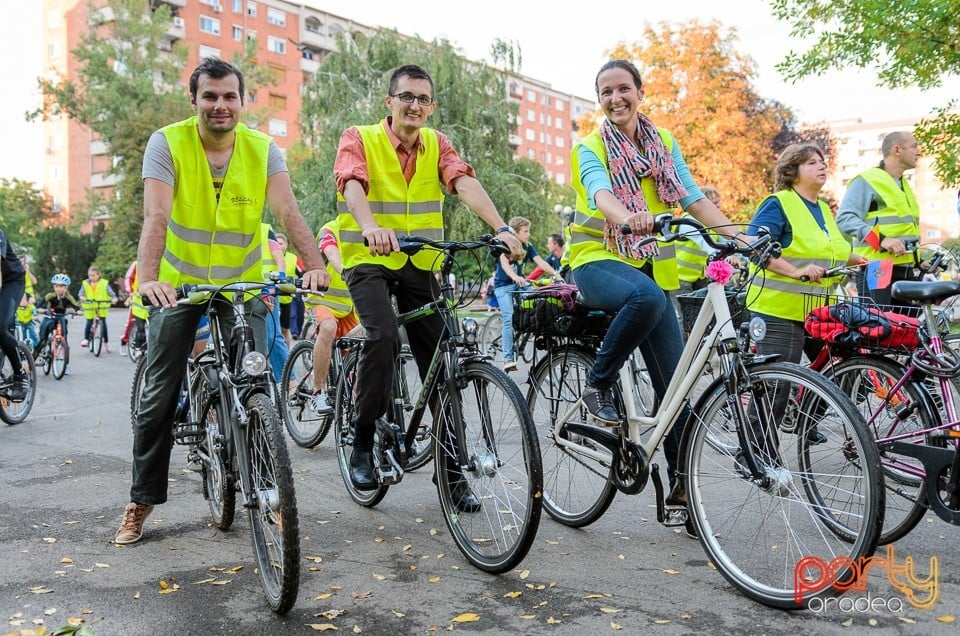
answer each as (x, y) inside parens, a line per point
(23, 210)
(913, 43)
(60, 251)
(472, 111)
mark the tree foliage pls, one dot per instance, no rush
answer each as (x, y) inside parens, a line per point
(60, 251)
(700, 88)
(23, 211)
(472, 111)
(913, 43)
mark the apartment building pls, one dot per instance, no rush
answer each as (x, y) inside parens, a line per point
(292, 38)
(858, 148)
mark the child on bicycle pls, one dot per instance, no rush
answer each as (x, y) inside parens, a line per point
(55, 304)
(96, 295)
(508, 279)
(25, 315)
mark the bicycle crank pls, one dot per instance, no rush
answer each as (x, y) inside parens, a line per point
(631, 468)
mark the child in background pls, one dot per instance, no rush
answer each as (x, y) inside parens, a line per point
(56, 303)
(96, 296)
(25, 314)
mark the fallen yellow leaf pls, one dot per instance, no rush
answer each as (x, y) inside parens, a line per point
(847, 623)
(553, 621)
(66, 560)
(322, 627)
(528, 617)
(615, 626)
(524, 574)
(220, 582)
(513, 595)
(873, 622)
(466, 617)
(356, 629)
(661, 621)
(398, 614)
(669, 571)
(323, 596)
(435, 579)
(947, 619)
(137, 595)
(609, 610)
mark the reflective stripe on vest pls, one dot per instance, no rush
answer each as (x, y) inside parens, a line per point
(267, 262)
(900, 218)
(407, 209)
(209, 241)
(337, 297)
(783, 297)
(586, 232)
(691, 261)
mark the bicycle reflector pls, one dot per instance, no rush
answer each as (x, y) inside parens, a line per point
(470, 329)
(758, 329)
(254, 363)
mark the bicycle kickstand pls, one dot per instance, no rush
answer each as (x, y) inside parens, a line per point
(671, 514)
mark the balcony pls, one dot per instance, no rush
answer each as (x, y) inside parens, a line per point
(103, 180)
(179, 4)
(310, 66)
(98, 147)
(176, 30)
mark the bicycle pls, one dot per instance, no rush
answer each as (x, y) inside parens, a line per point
(11, 411)
(55, 353)
(96, 331)
(759, 499)
(482, 435)
(228, 418)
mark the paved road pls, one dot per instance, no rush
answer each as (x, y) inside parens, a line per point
(391, 570)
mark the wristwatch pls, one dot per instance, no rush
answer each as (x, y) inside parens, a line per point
(505, 228)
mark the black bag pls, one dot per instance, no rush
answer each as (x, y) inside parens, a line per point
(549, 310)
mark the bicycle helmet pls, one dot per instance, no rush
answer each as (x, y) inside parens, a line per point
(60, 279)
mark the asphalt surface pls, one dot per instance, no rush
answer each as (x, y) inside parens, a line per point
(393, 569)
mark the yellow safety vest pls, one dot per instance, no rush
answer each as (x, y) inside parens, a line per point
(136, 304)
(290, 271)
(900, 218)
(25, 314)
(691, 261)
(269, 264)
(415, 209)
(209, 241)
(586, 234)
(782, 297)
(337, 297)
(93, 296)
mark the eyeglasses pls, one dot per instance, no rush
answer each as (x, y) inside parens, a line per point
(407, 98)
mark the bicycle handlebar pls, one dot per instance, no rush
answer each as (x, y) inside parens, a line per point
(759, 251)
(839, 270)
(412, 244)
(194, 294)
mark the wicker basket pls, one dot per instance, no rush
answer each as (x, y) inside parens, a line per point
(690, 305)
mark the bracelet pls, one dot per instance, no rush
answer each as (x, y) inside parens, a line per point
(505, 228)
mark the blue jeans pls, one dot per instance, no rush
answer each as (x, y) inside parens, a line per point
(644, 318)
(276, 344)
(504, 296)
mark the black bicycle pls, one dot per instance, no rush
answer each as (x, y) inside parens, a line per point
(15, 411)
(482, 434)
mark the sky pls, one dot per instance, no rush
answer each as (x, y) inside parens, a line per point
(561, 43)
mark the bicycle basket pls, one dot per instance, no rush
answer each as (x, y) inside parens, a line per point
(550, 310)
(690, 305)
(860, 323)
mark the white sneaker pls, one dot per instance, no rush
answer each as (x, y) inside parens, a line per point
(123, 349)
(84, 342)
(509, 366)
(67, 370)
(320, 403)
(106, 345)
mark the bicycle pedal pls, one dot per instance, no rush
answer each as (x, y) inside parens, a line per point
(675, 516)
(189, 433)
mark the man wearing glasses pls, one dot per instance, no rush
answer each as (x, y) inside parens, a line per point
(388, 183)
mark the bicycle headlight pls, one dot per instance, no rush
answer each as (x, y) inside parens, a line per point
(254, 363)
(758, 329)
(470, 329)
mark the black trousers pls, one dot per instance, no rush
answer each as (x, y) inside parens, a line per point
(370, 287)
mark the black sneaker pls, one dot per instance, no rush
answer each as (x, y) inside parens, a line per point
(600, 404)
(17, 391)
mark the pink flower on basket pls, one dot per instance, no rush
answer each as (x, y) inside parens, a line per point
(719, 271)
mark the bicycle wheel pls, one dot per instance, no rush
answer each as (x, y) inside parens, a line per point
(96, 338)
(306, 427)
(490, 337)
(577, 486)
(15, 412)
(309, 331)
(60, 352)
(868, 380)
(422, 451)
(644, 397)
(136, 388)
(815, 504)
(219, 486)
(343, 430)
(503, 469)
(273, 518)
(46, 358)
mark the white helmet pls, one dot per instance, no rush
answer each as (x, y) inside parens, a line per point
(60, 279)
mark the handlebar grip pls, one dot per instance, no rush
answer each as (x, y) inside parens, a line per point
(182, 292)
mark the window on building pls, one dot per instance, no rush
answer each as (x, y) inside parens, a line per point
(251, 97)
(56, 172)
(277, 128)
(558, 122)
(313, 24)
(251, 35)
(277, 45)
(238, 6)
(532, 96)
(559, 142)
(276, 17)
(237, 33)
(531, 115)
(53, 50)
(279, 73)
(531, 154)
(209, 25)
(278, 101)
(561, 179)
(251, 8)
(531, 135)
(560, 105)
(208, 51)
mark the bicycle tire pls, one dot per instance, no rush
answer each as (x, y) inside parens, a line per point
(867, 380)
(490, 337)
(343, 432)
(309, 331)
(760, 534)
(306, 427)
(504, 470)
(136, 389)
(274, 525)
(60, 352)
(15, 412)
(409, 377)
(577, 489)
(219, 485)
(46, 358)
(96, 338)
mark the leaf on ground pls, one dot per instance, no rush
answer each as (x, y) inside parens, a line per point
(906, 619)
(433, 531)
(101, 565)
(66, 560)
(315, 559)
(361, 594)
(949, 618)
(379, 577)
(323, 627)
(136, 596)
(661, 621)
(357, 630)
(50, 611)
(406, 547)
(589, 596)
(235, 568)
(669, 571)
(40, 589)
(466, 617)
(398, 614)
(847, 623)
(49, 540)
(323, 597)
(615, 626)
(220, 582)
(524, 574)
(513, 595)
(553, 621)
(609, 610)
(435, 579)
(332, 614)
